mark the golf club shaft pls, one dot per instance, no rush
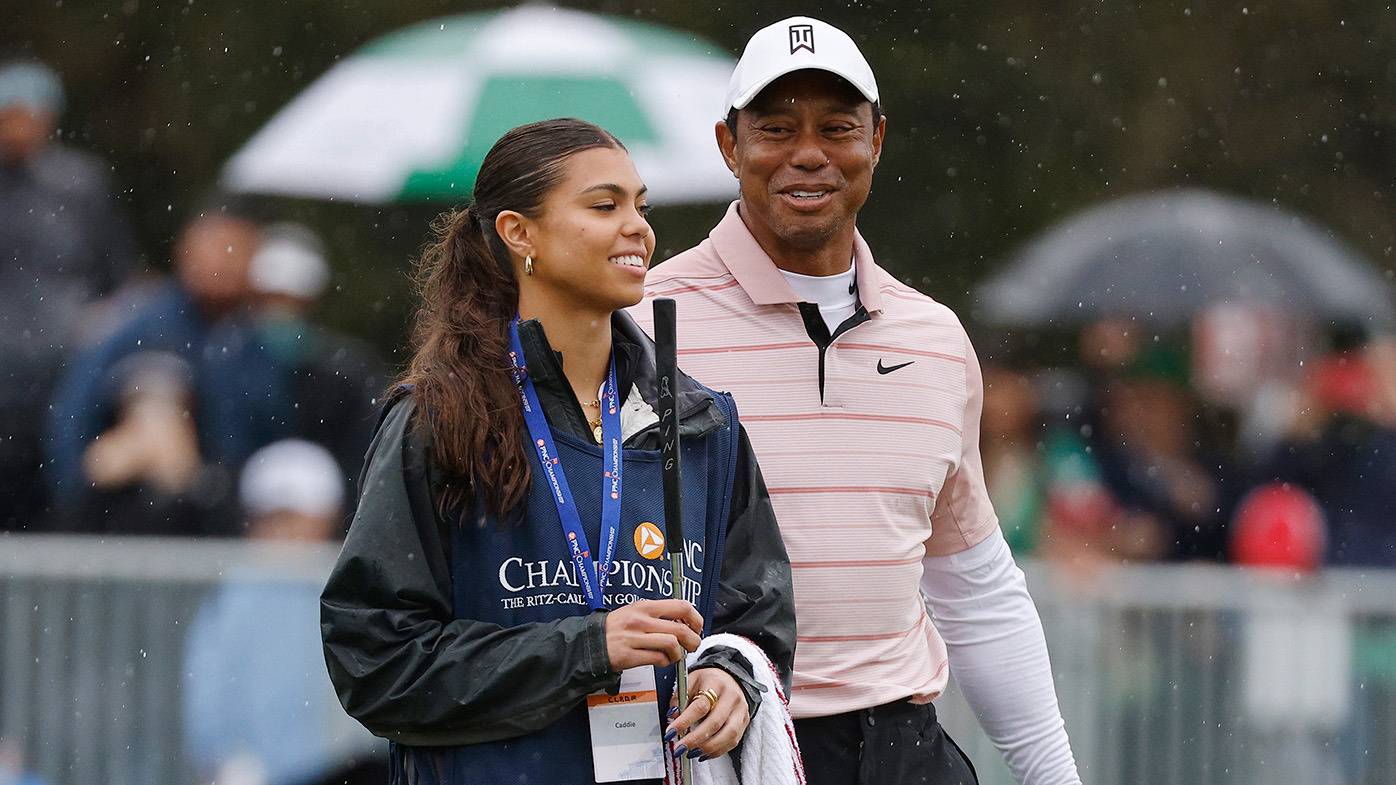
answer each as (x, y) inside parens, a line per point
(667, 370)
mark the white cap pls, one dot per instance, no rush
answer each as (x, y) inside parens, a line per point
(796, 44)
(292, 474)
(30, 84)
(290, 260)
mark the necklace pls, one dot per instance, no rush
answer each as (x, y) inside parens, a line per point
(596, 423)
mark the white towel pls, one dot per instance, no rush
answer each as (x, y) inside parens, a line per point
(770, 754)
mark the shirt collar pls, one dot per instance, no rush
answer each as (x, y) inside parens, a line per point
(761, 279)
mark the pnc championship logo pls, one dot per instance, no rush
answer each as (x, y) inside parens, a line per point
(801, 37)
(649, 541)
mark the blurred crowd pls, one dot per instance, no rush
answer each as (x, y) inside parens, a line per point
(1148, 449)
(207, 402)
(132, 401)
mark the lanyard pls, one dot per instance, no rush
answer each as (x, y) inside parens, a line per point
(592, 579)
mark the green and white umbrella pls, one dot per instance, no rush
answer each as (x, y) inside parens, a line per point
(411, 115)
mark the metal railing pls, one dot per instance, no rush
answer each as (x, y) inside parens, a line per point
(1166, 674)
(92, 643)
(1208, 675)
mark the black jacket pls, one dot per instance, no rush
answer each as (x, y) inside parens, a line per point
(409, 671)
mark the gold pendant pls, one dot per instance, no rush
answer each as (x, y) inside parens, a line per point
(596, 432)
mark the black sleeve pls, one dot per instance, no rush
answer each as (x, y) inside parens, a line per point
(401, 663)
(755, 597)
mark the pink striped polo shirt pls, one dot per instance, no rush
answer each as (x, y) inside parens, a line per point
(868, 478)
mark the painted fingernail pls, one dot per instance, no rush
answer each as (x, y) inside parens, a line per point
(673, 710)
(702, 758)
(680, 751)
(672, 734)
(694, 753)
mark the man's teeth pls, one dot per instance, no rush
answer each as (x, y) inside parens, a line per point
(807, 194)
(631, 260)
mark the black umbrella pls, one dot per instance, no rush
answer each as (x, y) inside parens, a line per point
(1161, 257)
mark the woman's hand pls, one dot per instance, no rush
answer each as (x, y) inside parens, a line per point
(718, 727)
(651, 632)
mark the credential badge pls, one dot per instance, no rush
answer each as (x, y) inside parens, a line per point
(801, 37)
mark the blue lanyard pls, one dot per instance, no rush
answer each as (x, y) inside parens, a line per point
(591, 579)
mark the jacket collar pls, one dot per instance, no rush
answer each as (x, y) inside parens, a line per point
(761, 279)
(635, 370)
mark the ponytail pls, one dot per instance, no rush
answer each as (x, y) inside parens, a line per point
(460, 373)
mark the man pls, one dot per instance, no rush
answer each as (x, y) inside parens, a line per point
(258, 706)
(333, 380)
(200, 315)
(63, 245)
(862, 398)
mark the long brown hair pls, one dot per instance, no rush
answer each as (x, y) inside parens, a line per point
(460, 370)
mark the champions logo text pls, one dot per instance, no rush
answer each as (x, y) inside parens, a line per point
(546, 581)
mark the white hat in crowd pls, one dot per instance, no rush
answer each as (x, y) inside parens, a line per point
(290, 260)
(32, 85)
(796, 44)
(292, 474)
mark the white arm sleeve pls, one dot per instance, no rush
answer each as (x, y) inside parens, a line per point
(998, 655)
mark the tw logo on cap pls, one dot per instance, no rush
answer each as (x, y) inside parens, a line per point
(801, 37)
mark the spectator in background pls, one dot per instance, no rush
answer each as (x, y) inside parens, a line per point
(63, 244)
(200, 315)
(333, 379)
(1126, 474)
(259, 708)
(1012, 461)
(1173, 500)
(146, 472)
(1139, 426)
(1342, 448)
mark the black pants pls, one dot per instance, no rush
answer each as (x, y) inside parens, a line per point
(893, 744)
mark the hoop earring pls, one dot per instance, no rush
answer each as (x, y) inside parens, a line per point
(528, 265)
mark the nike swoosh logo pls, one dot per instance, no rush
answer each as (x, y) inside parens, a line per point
(885, 369)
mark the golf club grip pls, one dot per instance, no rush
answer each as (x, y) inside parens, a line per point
(666, 353)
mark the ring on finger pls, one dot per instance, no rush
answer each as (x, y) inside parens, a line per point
(711, 695)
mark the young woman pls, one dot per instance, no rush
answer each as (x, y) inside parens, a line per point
(461, 621)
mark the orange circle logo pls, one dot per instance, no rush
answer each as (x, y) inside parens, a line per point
(649, 540)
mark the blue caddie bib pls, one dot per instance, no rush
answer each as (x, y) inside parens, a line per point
(515, 574)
